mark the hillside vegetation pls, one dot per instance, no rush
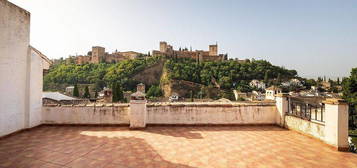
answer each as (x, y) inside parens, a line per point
(103, 74)
(227, 74)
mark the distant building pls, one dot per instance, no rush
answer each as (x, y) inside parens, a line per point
(241, 60)
(59, 98)
(56, 96)
(200, 55)
(69, 90)
(326, 85)
(292, 82)
(257, 84)
(271, 92)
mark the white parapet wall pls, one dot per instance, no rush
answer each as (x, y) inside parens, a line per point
(86, 114)
(334, 129)
(310, 128)
(211, 113)
(164, 113)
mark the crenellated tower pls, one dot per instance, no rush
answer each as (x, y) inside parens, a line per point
(213, 50)
(98, 54)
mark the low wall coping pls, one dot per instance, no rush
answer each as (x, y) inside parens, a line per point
(282, 95)
(88, 105)
(335, 101)
(209, 104)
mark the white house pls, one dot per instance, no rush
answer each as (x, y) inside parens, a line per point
(271, 92)
(257, 84)
(292, 82)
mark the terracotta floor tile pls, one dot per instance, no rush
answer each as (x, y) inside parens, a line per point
(87, 163)
(111, 147)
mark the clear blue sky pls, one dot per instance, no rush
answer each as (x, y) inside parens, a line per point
(315, 37)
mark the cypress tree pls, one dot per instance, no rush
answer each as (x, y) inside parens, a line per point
(191, 96)
(338, 81)
(96, 93)
(120, 95)
(114, 93)
(86, 93)
(75, 91)
(278, 80)
(266, 77)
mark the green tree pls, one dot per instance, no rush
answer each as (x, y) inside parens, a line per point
(278, 80)
(228, 94)
(86, 93)
(309, 82)
(225, 82)
(338, 81)
(75, 91)
(154, 91)
(114, 93)
(266, 77)
(349, 86)
(119, 92)
(99, 84)
(96, 93)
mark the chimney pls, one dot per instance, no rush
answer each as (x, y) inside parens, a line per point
(140, 88)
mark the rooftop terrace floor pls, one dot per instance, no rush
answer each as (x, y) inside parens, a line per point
(110, 147)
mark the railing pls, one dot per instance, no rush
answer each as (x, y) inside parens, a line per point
(311, 111)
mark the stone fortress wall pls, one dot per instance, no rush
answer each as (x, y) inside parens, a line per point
(199, 55)
(98, 55)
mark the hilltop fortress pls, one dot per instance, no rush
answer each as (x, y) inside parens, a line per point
(98, 54)
(200, 55)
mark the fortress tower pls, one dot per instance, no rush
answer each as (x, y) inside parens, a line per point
(213, 50)
(98, 54)
(163, 46)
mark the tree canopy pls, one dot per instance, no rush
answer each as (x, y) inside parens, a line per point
(101, 75)
(228, 74)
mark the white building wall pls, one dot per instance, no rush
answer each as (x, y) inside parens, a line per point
(36, 85)
(14, 65)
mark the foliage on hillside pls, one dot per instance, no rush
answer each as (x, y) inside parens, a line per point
(350, 94)
(228, 74)
(100, 74)
(350, 87)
